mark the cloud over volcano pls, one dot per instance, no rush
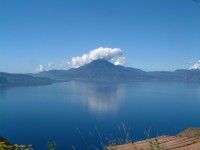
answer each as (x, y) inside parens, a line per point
(114, 55)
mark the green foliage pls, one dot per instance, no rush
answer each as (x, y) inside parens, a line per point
(1, 148)
(2, 139)
(51, 145)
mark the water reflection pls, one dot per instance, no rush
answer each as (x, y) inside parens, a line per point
(3, 92)
(99, 97)
(198, 94)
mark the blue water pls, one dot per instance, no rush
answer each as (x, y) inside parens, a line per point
(73, 113)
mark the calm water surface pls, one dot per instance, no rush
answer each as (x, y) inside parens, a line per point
(71, 113)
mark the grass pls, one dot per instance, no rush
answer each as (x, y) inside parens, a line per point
(105, 143)
(120, 140)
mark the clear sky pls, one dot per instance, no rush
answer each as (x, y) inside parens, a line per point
(153, 34)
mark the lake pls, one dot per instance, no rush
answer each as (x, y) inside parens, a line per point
(76, 114)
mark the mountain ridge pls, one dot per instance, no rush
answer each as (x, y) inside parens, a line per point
(10, 80)
(98, 70)
(103, 70)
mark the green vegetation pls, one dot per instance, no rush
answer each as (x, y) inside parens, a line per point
(6, 145)
(51, 145)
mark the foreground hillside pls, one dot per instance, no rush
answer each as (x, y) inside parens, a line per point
(186, 140)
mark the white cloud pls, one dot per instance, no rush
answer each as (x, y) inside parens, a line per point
(64, 63)
(40, 68)
(195, 65)
(52, 66)
(120, 61)
(114, 55)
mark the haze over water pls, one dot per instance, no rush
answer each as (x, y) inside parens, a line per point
(71, 113)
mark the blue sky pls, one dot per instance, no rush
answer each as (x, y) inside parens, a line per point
(153, 34)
